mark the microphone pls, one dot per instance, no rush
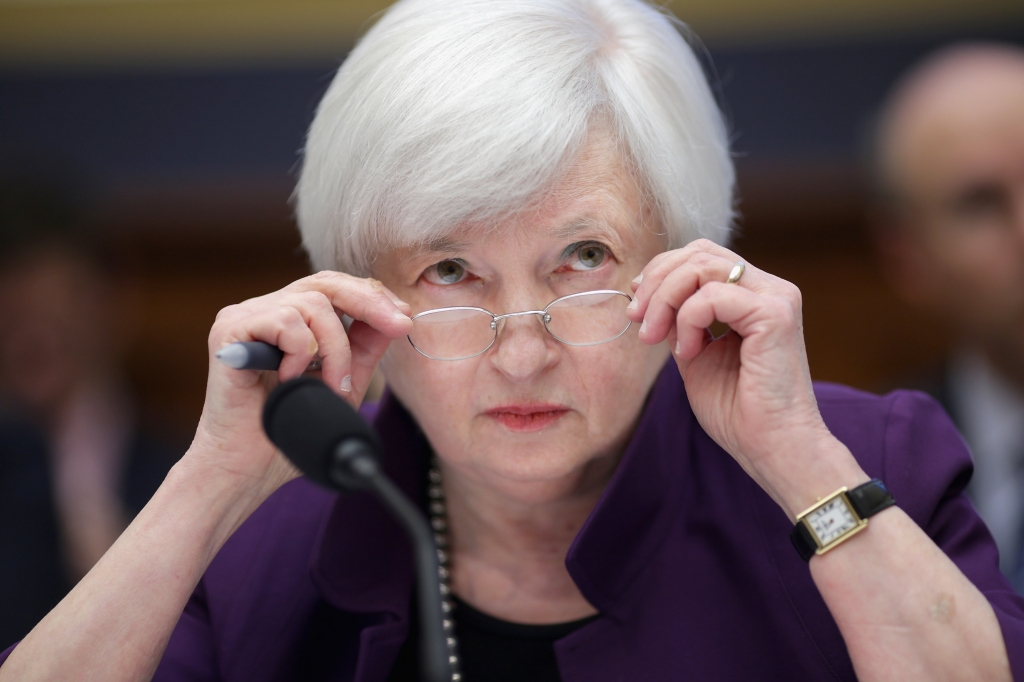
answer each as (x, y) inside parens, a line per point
(331, 444)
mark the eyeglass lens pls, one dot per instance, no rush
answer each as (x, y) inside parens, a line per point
(585, 319)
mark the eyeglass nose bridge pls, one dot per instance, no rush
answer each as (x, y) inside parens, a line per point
(495, 324)
(495, 319)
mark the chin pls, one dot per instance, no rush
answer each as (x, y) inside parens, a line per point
(537, 460)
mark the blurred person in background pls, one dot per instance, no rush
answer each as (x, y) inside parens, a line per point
(74, 467)
(950, 170)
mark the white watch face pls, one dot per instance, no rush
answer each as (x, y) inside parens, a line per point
(832, 520)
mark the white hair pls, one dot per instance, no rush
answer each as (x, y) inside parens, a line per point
(450, 112)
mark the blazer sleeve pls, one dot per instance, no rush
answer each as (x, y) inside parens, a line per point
(927, 467)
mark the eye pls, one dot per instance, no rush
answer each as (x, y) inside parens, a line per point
(587, 256)
(445, 272)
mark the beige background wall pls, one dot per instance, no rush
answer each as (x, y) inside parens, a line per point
(135, 34)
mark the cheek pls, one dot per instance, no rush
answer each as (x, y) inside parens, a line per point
(612, 382)
(433, 391)
(977, 277)
(983, 261)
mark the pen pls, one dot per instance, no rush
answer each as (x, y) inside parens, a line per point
(255, 355)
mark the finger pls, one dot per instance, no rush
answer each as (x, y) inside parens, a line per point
(284, 327)
(362, 299)
(676, 287)
(703, 256)
(673, 341)
(335, 349)
(348, 358)
(691, 332)
(666, 261)
(747, 313)
(635, 284)
(399, 303)
(377, 285)
(368, 347)
(332, 345)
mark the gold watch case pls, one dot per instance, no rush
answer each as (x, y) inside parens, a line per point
(832, 521)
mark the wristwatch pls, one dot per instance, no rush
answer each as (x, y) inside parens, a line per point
(838, 517)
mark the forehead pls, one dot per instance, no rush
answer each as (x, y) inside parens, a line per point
(970, 124)
(596, 197)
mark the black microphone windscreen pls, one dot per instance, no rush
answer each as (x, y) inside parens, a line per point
(306, 420)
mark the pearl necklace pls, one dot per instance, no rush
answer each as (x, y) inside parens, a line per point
(439, 522)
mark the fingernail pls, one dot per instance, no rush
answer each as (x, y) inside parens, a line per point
(401, 316)
(398, 301)
(677, 348)
(639, 278)
(346, 383)
(314, 347)
(632, 305)
(643, 326)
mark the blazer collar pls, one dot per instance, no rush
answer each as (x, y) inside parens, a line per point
(632, 518)
(362, 561)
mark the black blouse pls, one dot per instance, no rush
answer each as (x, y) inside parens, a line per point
(494, 650)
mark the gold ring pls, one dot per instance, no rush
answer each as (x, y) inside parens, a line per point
(736, 273)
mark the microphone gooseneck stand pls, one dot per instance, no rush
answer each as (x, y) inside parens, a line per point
(428, 589)
(330, 443)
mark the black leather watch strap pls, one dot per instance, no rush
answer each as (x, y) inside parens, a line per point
(870, 498)
(867, 500)
(803, 541)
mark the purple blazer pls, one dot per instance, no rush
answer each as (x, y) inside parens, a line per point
(688, 561)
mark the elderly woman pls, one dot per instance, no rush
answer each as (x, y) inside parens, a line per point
(617, 501)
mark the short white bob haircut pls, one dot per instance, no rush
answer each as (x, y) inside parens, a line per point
(456, 112)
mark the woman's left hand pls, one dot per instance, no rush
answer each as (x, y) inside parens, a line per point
(751, 388)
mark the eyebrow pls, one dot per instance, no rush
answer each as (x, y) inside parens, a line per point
(441, 244)
(574, 227)
(446, 244)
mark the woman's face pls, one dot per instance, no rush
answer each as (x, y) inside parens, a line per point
(530, 409)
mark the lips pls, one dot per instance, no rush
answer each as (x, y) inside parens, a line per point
(526, 418)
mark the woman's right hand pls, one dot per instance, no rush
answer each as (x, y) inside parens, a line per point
(229, 470)
(303, 320)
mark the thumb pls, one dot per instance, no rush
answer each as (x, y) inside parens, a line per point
(684, 362)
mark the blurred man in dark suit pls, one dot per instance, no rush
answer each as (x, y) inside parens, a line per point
(950, 174)
(74, 467)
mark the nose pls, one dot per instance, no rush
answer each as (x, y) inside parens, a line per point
(523, 348)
